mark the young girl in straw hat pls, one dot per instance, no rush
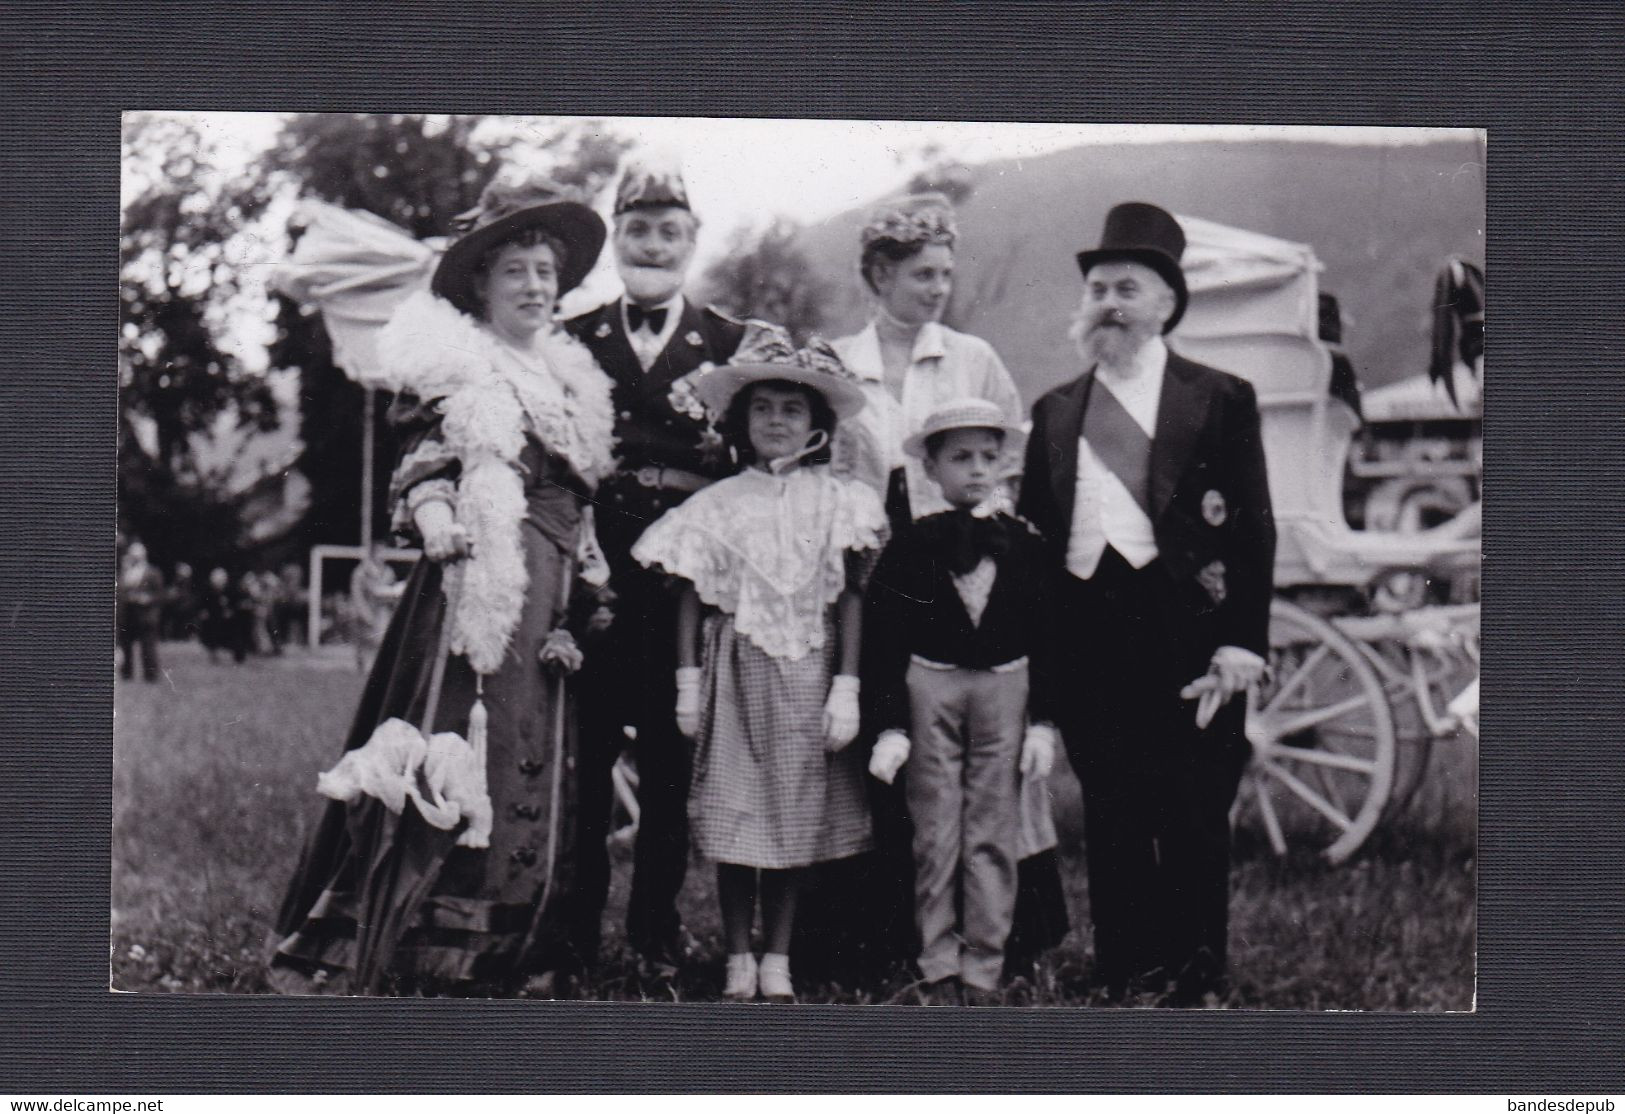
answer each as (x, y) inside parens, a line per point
(768, 637)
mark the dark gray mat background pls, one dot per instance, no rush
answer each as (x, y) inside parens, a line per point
(1547, 81)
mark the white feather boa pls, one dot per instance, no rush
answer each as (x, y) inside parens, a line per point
(488, 395)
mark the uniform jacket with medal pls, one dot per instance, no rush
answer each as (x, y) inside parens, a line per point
(649, 432)
(1209, 493)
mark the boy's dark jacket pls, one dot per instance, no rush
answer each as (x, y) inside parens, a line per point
(912, 607)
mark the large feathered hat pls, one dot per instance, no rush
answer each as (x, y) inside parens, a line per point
(508, 206)
(767, 353)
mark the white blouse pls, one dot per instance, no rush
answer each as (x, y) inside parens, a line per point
(768, 550)
(945, 365)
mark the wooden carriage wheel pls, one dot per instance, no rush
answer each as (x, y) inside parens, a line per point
(1322, 737)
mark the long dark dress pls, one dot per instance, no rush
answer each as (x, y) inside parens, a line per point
(475, 924)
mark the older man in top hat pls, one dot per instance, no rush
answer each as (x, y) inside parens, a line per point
(645, 340)
(1146, 476)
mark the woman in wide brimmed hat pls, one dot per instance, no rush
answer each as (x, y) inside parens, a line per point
(444, 859)
(767, 685)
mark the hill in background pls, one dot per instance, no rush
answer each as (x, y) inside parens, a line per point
(1382, 220)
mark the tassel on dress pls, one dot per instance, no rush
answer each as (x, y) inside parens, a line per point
(478, 832)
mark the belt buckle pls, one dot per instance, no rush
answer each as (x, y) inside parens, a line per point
(648, 475)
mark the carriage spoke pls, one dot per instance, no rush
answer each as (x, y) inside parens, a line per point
(1333, 759)
(1304, 720)
(1301, 675)
(1332, 792)
(1309, 796)
(1272, 823)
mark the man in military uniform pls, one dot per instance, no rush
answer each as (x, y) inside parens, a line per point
(645, 341)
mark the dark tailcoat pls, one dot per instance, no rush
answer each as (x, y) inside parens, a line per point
(628, 677)
(1207, 441)
(1157, 791)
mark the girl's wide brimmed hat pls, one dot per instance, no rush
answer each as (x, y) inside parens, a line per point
(507, 208)
(965, 413)
(767, 353)
(1144, 233)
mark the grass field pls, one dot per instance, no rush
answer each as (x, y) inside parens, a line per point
(214, 775)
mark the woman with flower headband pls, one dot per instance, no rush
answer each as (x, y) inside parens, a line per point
(443, 861)
(768, 641)
(911, 365)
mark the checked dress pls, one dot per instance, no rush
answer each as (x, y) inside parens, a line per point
(769, 556)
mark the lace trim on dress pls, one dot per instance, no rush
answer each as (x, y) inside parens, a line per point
(769, 550)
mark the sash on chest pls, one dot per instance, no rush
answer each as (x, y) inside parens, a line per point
(1120, 443)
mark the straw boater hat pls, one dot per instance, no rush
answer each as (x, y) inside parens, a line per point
(964, 413)
(1143, 233)
(767, 353)
(506, 208)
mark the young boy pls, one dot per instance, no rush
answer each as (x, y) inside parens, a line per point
(956, 645)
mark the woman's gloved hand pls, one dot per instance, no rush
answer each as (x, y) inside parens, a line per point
(890, 753)
(688, 701)
(1038, 750)
(559, 651)
(841, 712)
(444, 539)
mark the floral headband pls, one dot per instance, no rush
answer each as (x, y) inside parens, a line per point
(923, 226)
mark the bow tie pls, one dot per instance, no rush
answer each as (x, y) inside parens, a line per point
(960, 539)
(636, 315)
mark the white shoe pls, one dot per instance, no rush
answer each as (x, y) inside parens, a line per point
(740, 984)
(775, 978)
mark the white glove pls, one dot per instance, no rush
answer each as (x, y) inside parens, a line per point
(1038, 751)
(1232, 670)
(444, 539)
(891, 751)
(560, 651)
(688, 701)
(841, 712)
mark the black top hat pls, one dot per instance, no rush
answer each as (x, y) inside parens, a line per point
(507, 208)
(1143, 233)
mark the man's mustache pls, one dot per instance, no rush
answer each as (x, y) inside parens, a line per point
(653, 265)
(1108, 318)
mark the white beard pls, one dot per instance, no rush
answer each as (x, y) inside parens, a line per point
(651, 286)
(1112, 347)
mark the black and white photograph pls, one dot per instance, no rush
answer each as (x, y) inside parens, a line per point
(798, 561)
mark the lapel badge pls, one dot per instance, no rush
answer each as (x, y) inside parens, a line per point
(1211, 578)
(602, 330)
(693, 337)
(1214, 508)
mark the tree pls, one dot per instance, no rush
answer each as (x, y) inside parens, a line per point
(176, 381)
(766, 274)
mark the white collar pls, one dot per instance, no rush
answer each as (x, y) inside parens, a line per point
(672, 305)
(1149, 363)
(929, 344)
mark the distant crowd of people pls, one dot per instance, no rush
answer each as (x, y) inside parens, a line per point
(241, 614)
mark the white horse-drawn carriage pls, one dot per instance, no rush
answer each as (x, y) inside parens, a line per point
(1372, 633)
